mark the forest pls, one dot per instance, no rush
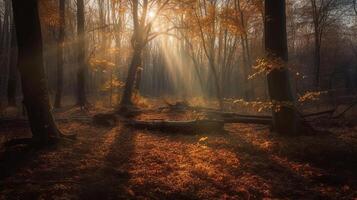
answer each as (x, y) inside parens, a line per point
(178, 99)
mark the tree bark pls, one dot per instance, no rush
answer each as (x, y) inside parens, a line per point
(285, 118)
(138, 43)
(30, 65)
(317, 58)
(82, 69)
(12, 81)
(60, 47)
(130, 81)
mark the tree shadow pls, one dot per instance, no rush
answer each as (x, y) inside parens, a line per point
(110, 180)
(17, 157)
(284, 182)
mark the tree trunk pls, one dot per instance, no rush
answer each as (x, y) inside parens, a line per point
(30, 64)
(247, 87)
(217, 85)
(139, 73)
(130, 81)
(60, 47)
(4, 46)
(285, 118)
(317, 59)
(82, 69)
(12, 81)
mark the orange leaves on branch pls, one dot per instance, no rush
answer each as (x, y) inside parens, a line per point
(49, 13)
(113, 84)
(311, 96)
(276, 106)
(266, 65)
(261, 106)
(232, 21)
(102, 65)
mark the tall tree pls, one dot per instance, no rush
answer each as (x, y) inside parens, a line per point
(60, 46)
(241, 19)
(321, 13)
(141, 36)
(82, 69)
(30, 65)
(5, 39)
(285, 118)
(208, 37)
(12, 80)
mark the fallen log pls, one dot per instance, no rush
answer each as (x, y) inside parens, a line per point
(109, 119)
(179, 106)
(44, 182)
(18, 122)
(178, 126)
(228, 115)
(194, 125)
(326, 112)
(14, 123)
(248, 120)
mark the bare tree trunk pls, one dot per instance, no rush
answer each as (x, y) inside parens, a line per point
(130, 81)
(60, 47)
(317, 58)
(82, 69)
(139, 73)
(140, 69)
(245, 71)
(12, 81)
(139, 35)
(5, 45)
(285, 118)
(216, 84)
(30, 64)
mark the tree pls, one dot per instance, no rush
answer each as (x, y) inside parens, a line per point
(12, 80)
(321, 13)
(245, 47)
(141, 36)
(285, 118)
(30, 65)
(60, 46)
(141, 31)
(82, 69)
(208, 40)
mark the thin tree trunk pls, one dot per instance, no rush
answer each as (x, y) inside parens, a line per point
(285, 118)
(82, 69)
(30, 64)
(245, 70)
(317, 59)
(60, 47)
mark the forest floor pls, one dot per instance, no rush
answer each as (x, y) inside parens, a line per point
(243, 162)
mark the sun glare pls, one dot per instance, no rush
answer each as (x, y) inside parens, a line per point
(151, 15)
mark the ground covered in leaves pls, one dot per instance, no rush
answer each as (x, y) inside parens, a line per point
(243, 162)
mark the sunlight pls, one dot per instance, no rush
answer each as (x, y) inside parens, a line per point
(151, 15)
(180, 69)
(178, 99)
